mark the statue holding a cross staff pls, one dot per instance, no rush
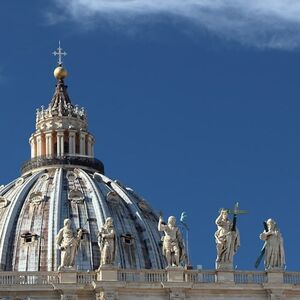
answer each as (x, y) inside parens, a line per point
(227, 237)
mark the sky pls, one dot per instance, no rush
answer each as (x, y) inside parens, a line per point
(194, 104)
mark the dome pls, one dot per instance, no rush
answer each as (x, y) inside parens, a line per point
(63, 180)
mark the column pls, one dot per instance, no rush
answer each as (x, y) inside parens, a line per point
(33, 147)
(92, 148)
(82, 143)
(49, 145)
(90, 145)
(72, 140)
(60, 143)
(39, 145)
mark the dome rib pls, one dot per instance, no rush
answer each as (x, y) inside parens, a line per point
(9, 219)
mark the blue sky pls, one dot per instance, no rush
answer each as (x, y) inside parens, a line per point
(194, 106)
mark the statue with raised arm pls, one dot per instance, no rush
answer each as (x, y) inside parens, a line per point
(107, 242)
(173, 245)
(68, 241)
(273, 247)
(227, 240)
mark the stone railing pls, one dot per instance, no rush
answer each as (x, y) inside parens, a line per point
(205, 276)
(291, 277)
(244, 277)
(77, 160)
(150, 276)
(142, 275)
(28, 278)
(86, 277)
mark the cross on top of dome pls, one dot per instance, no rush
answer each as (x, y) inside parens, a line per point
(60, 53)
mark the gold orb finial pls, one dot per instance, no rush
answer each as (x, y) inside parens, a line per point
(60, 73)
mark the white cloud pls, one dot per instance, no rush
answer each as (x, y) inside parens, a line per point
(261, 23)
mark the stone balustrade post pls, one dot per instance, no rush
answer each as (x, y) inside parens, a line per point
(275, 276)
(107, 273)
(226, 276)
(175, 274)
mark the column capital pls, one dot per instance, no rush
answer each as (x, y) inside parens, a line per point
(60, 132)
(83, 133)
(48, 132)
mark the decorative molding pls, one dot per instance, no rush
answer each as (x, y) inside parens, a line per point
(36, 198)
(76, 196)
(19, 181)
(3, 202)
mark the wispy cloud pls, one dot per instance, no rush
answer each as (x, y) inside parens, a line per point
(260, 23)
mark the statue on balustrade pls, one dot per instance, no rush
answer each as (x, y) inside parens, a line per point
(107, 242)
(273, 249)
(68, 241)
(227, 239)
(173, 245)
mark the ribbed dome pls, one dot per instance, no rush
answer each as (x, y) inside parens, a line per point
(63, 180)
(33, 208)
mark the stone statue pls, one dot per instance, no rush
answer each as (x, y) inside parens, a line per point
(274, 251)
(68, 241)
(173, 246)
(227, 240)
(107, 243)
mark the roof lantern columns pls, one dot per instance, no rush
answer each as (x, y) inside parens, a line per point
(72, 142)
(39, 144)
(49, 144)
(82, 143)
(52, 143)
(32, 146)
(90, 146)
(60, 143)
(61, 133)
